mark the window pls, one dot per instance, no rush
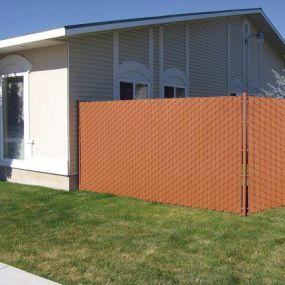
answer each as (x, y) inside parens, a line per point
(133, 82)
(14, 111)
(174, 92)
(133, 91)
(13, 117)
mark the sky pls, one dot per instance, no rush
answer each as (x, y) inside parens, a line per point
(19, 17)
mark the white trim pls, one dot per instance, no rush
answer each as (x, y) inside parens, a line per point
(70, 31)
(187, 60)
(245, 54)
(1, 121)
(134, 70)
(73, 31)
(68, 111)
(116, 47)
(27, 142)
(11, 66)
(161, 61)
(260, 66)
(14, 64)
(39, 164)
(175, 87)
(175, 77)
(229, 55)
(151, 57)
(51, 34)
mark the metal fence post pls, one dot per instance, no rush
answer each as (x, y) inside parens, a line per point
(244, 154)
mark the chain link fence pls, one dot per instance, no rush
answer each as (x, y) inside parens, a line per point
(266, 153)
(219, 153)
(177, 151)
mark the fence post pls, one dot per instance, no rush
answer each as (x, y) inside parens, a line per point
(244, 153)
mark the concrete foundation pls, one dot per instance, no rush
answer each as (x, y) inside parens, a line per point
(20, 176)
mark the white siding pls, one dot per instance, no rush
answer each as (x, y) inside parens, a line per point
(214, 50)
(134, 46)
(270, 60)
(236, 52)
(90, 77)
(208, 58)
(156, 76)
(253, 63)
(175, 46)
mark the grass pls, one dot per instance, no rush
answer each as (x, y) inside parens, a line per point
(88, 238)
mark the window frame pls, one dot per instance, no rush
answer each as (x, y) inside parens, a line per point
(175, 87)
(134, 82)
(27, 151)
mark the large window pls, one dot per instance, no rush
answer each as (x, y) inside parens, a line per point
(13, 117)
(133, 90)
(174, 92)
(14, 111)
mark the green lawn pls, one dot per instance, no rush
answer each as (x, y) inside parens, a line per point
(88, 238)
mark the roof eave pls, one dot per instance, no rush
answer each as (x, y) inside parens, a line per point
(32, 38)
(74, 31)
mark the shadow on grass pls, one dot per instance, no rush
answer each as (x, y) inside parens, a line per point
(5, 173)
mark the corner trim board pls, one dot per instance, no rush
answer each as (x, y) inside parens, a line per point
(161, 61)
(116, 47)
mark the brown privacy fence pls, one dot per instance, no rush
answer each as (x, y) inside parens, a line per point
(266, 153)
(219, 153)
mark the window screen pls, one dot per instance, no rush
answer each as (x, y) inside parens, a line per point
(141, 91)
(180, 92)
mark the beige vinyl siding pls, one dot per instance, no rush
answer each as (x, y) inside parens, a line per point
(236, 53)
(210, 54)
(156, 76)
(253, 63)
(270, 60)
(90, 77)
(134, 46)
(174, 41)
(208, 58)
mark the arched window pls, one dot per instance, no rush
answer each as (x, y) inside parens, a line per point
(14, 108)
(175, 83)
(134, 81)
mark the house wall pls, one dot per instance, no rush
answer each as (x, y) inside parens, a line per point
(209, 58)
(270, 60)
(211, 54)
(48, 95)
(90, 78)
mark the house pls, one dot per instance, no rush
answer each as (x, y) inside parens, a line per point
(45, 74)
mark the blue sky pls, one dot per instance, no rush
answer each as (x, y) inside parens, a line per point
(25, 16)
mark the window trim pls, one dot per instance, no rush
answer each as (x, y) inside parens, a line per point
(175, 87)
(132, 71)
(134, 82)
(27, 150)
